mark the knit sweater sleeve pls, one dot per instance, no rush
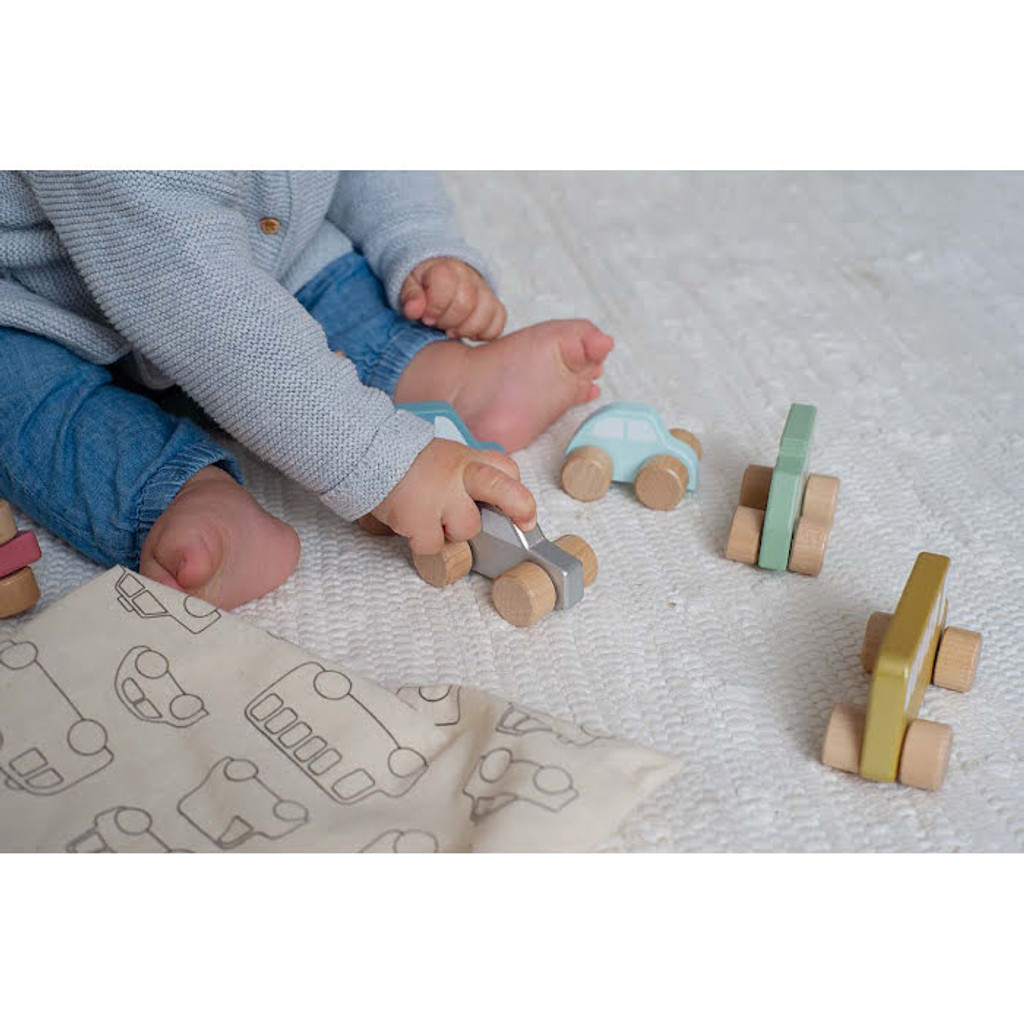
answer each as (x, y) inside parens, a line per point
(397, 219)
(167, 258)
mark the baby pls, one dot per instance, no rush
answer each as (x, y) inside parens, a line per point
(294, 308)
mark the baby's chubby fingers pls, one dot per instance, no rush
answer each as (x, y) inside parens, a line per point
(484, 481)
(413, 298)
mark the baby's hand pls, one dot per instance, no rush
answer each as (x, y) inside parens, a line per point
(448, 294)
(436, 499)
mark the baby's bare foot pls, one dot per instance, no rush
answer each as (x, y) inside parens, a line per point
(511, 389)
(215, 541)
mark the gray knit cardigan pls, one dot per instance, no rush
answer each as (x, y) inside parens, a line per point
(176, 268)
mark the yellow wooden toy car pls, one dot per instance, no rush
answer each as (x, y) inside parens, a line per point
(905, 652)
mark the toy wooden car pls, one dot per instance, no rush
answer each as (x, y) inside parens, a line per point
(628, 442)
(532, 575)
(785, 515)
(905, 652)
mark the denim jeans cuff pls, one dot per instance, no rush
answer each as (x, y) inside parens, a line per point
(403, 343)
(161, 489)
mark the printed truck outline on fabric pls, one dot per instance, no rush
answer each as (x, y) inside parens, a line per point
(232, 804)
(307, 714)
(135, 596)
(499, 779)
(121, 830)
(35, 755)
(439, 703)
(148, 689)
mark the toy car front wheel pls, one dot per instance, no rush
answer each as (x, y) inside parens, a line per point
(524, 594)
(745, 535)
(843, 738)
(925, 755)
(957, 659)
(874, 634)
(451, 563)
(587, 473)
(661, 482)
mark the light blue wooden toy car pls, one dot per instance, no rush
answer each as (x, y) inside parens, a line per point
(628, 442)
(448, 424)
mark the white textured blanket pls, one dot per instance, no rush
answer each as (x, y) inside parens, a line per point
(892, 302)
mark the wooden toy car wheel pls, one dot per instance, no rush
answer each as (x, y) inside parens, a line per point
(18, 592)
(451, 563)
(754, 488)
(8, 527)
(874, 634)
(820, 496)
(583, 552)
(525, 593)
(687, 438)
(810, 539)
(925, 755)
(843, 738)
(587, 473)
(745, 535)
(371, 524)
(661, 482)
(957, 659)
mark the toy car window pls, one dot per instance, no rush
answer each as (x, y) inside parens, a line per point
(608, 428)
(638, 430)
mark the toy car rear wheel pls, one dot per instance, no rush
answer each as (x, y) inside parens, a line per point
(581, 550)
(451, 563)
(587, 473)
(925, 755)
(524, 594)
(820, 496)
(661, 482)
(810, 539)
(745, 535)
(957, 659)
(755, 485)
(843, 738)
(687, 438)
(874, 634)
(371, 524)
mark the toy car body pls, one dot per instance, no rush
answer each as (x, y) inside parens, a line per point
(784, 515)
(232, 804)
(133, 595)
(119, 830)
(628, 442)
(448, 424)
(501, 551)
(311, 712)
(905, 652)
(151, 693)
(46, 745)
(501, 779)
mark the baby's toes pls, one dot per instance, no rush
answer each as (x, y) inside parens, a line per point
(596, 345)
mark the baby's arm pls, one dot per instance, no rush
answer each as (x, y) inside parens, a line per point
(167, 257)
(404, 225)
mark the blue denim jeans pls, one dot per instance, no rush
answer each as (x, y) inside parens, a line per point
(97, 463)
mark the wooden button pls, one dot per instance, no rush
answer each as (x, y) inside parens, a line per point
(270, 225)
